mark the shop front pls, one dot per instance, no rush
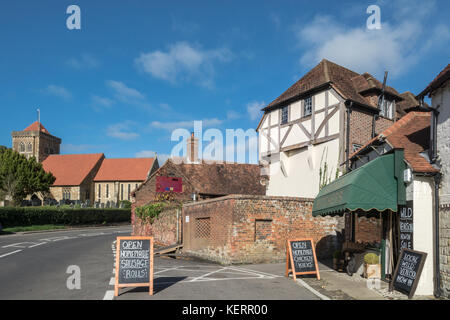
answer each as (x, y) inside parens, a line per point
(374, 191)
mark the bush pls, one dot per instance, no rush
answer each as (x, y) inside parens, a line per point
(125, 203)
(25, 216)
(371, 258)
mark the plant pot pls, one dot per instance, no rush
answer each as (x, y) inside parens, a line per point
(372, 271)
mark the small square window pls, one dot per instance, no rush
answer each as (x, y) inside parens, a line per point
(284, 115)
(307, 109)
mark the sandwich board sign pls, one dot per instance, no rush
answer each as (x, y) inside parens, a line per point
(407, 272)
(134, 263)
(301, 258)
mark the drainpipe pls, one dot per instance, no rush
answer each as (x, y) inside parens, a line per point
(347, 151)
(437, 181)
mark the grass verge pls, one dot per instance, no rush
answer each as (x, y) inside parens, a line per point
(31, 228)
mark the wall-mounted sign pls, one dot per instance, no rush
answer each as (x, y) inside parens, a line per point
(407, 272)
(169, 184)
(405, 224)
(134, 263)
(301, 258)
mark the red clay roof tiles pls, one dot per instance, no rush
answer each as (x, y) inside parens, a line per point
(135, 169)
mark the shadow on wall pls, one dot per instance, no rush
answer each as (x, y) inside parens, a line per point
(327, 246)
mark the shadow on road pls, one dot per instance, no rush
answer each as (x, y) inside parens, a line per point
(159, 284)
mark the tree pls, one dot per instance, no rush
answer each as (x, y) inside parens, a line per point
(20, 176)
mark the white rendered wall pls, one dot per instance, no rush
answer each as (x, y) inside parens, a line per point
(423, 237)
(303, 167)
(441, 98)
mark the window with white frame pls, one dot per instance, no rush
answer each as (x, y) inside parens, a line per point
(307, 107)
(387, 109)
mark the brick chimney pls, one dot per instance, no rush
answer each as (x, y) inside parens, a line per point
(192, 149)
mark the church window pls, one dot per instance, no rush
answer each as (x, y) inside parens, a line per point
(22, 147)
(29, 147)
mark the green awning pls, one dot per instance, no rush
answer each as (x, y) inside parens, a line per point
(378, 185)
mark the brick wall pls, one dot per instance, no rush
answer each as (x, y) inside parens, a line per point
(164, 229)
(254, 229)
(147, 191)
(361, 126)
(368, 229)
(444, 249)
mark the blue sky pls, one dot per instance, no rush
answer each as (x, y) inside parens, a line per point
(139, 69)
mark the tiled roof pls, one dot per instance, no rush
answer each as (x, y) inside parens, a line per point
(71, 169)
(36, 126)
(220, 178)
(412, 133)
(443, 76)
(346, 82)
(135, 169)
(410, 103)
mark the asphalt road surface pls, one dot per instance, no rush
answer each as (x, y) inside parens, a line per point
(42, 266)
(34, 266)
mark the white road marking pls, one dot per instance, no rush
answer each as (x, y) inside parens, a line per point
(17, 245)
(7, 254)
(112, 281)
(205, 275)
(38, 244)
(304, 284)
(255, 272)
(165, 270)
(109, 295)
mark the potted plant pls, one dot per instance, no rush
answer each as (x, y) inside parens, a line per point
(372, 267)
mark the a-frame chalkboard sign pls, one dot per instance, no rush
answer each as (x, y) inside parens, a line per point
(301, 258)
(407, 272)
(134, 263)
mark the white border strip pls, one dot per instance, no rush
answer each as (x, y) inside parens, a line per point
(7, 254)
(109, 295)
(303, 283)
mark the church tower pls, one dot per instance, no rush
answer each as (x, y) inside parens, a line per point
(35, 141)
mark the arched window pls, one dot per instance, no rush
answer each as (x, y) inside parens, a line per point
(22, 147)
(29, 147)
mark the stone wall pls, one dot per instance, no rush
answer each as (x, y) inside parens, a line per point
(164, 229)
(254, 229)
(444, 248)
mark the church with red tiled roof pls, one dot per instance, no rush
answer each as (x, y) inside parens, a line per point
(82, 177)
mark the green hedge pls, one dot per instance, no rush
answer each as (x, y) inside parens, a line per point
(24, 216)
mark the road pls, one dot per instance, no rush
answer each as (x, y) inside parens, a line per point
(35, 267)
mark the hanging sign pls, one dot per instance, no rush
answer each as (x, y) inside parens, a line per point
(406, 226)
(134, 263)
(407, 272)
(301, 258)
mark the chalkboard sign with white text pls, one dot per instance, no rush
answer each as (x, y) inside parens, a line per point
(134, 262)
(407, 272)
(301, 258)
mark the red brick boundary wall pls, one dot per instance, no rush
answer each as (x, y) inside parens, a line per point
(164, 229)
(254, 229)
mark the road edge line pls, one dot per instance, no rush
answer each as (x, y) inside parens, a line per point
(317, 293)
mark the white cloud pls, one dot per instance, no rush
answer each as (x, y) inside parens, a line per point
(85, 61)
(398, 45)
(122, 131)
(124, 92)
(254, 109)
(101, 102)
(170, 126)
(57, 91)
(233, 115)
(183, 62)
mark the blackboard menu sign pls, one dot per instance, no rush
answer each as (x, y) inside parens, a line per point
(406, 226)
(407, 272)
(301, 258)
(134, 263)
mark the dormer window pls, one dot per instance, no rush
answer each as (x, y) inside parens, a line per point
(284, 115)
(307, 107)
(387, 109)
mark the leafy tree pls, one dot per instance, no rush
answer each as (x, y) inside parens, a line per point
(20, 176)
